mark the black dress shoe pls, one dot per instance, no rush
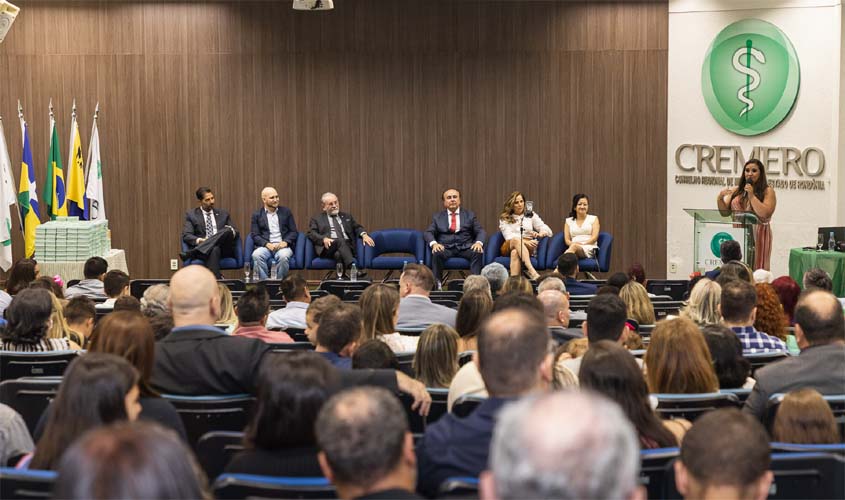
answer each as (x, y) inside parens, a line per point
(362, 273)
(184, 256)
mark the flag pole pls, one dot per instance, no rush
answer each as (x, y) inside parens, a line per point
(23, 138)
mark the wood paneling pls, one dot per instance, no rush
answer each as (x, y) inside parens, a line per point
(385, 103)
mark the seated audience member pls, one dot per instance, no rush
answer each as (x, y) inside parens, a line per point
(608, 289)
(677, 360)
(80, 315)
(820, 332)
(732, 370)
(15, 440)
(804, 417)
(735, 270)
(611, 371)
(161, 324)
(517, 300)
(115, 284)
(226, 319)
(551, 283)
(703, 305)
(22, 273)
(762, 276)
(49, 284)
(339, 334)
(28, 321)
(252, 311)
(788, 292)
(556, 312)
(567, 266)
(279, 439)
(724, 455)
(593, 456)
(496, 275)
(416, 310)
(129, 336)
(729, 250)
(473, 309)
(436, 359)
(817, 279)
(92, 286)
(374, 354)
(294, 289)
(563, 378)
(475, 282)
(637, 273)
(59, 328)
(129, 460)
(739, 308)
(315, 313)
(514, 360)
(606, 315)
(633, 340)
(379, 306)
(517, 284)
(154, 300)
(366, 449)
(618, 280)
(639, 305)
(97, 389)
(769, 317)
(127, 303)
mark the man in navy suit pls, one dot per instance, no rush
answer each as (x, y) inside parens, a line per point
(273, 231)
(455, 233)
(334, 233)
(567, 267)
(208, 232)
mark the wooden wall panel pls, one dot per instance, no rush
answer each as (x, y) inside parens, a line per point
(385, 103)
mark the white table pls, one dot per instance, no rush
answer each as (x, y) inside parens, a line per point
(73, 270)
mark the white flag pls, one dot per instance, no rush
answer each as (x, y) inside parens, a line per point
(94, 176)
(8, 197)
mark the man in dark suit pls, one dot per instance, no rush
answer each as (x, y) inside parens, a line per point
(728, 250)
(567, 267)
(556, 306)
(273, 231)
(455, 233)
(334, 233)
(208, 232)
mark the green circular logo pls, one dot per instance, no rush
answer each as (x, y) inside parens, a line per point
(716, 243)
(750, 77)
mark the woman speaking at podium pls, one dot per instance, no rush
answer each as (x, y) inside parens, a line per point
(753, 195)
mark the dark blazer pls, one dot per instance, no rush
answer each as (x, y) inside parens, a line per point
(259, 228)
(203, 360)
(469, 232)
(712, 275)
(575, 287)
(194, 226)
(318, 228)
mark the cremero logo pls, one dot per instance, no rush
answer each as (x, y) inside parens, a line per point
(750, 77)
(716, 243)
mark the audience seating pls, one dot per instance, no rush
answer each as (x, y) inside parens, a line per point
(138, 287)
(456, 285)
(297, 261)
(313, 261)
(71, 283)
(458, 487)
(600, 264)
(759, 360)
(339, 287)
(673, 288)
(451, 304)
(663, 309)
(653, 468)
(838, 449)
(237, 486)
(215, 450)
(466, 404)
(493, 252)
(691, 406)
(465, 357)
(226, 262)
(203, 414)
(409, 242)
(406, 362)
(26, 483)
(741, 394)
(15, 364)
(437, 409)
(29, 397)
(446, 295)
(293, 346)
(410, 331)
(452, 264)
(836, 403)
(297, 334)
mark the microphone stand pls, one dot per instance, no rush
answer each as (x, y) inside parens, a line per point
(521, 245)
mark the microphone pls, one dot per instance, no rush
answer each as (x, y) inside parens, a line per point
(529, 209)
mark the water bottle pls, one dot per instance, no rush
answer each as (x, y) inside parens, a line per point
(273, 269)
(246, 272)
(831, 242)
(353, 272)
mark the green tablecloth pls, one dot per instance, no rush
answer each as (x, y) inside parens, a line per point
(801, 260)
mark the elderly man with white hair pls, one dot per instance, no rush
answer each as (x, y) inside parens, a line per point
(274, 233)
(334, 233)
(496, 275)
(595, 455)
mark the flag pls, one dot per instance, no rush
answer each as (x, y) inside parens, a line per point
(28, 195)
(76, 201)
(94, 176)
(7, 199)
(54, 184)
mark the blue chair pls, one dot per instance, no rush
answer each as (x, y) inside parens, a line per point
(203, 414)
(296, 262)
(452, 264)
(692, 406)
(26, 483)
(312, 261)
(600, 264)
(216, 449)
(838, 449)
(493, 252)
(458, 487)
(236, 262)
(14, 364)
(406, 241)
(653, 465)
(29, 397)
(249, 486)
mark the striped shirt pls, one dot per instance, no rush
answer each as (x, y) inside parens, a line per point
(43, 345)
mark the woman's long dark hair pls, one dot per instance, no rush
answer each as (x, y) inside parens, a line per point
(575, 200)
(610, 370)
(93, 393)
(130, 336)
(20, 276)
(726, 350)
(27, 316)
(759, 187)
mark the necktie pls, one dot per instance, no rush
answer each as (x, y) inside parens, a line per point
(453, 226)
(338, 228)
(209, 226)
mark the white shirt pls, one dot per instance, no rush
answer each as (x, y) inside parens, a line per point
(275, 231)
(292, 316)
(205, 216)
(510, 230)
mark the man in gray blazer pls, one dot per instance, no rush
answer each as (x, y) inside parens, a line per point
(820, 331)
(416, 310)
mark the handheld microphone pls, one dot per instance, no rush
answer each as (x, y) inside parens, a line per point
(529, 209)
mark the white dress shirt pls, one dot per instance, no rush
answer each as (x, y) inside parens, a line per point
(291, 316)
(275, 230)
(205, 216)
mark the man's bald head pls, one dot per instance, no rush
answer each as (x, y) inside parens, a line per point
(818, 316)
(512, 352)
(270, 197)
(555, 307)
(194, 297)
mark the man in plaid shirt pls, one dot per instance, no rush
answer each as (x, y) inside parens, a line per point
(739, 308)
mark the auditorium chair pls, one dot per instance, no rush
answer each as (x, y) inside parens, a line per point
(837, 449)
(599, 264)
(466, 404)
(15, 364)
(297, 334)
(340, 287)
(29, 397)
(313, 261)
(653, 465)
(16, 483)
(458, 487)
(438, 408)
(408, 242)
(761, 359)
(452, 264)
(741, 394)
(455, 285)
(465, 357)
(493, 252)
(226, 262)
(692, 406)
(237, 486)
(673, 288)
(297, 261)
(836, 403)
(215, 450)
(293, 346)
(203, 414)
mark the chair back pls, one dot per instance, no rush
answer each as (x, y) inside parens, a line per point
(838, 448)
(14, 364)
(215, 450)
(339, 287)
(297, 334)
(406, 363)
(458, 487)
(807, 475)
(653, 465)
(761, 359)
(293, 346)
(29, 397)
(16, 483)
(204, 414)
(466, 404)
(673, 288)
(237, 486)
(741, 394)
(692, 406)
(465, 357)
(408, 242)
(493, 253)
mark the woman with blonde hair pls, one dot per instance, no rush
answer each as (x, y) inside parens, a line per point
(678, 361)
(639, 305)
(380, 309)
(227, 319)
(59, 328)
(436, 359)
(703, 305)
(517, 284)
(522, 234)
(804, 417)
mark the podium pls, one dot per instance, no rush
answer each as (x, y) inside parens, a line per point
(711, 228)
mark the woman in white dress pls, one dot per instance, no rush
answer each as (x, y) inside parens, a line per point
(580, 230)
(520, 250)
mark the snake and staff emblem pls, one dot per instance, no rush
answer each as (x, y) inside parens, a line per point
(742, 63)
